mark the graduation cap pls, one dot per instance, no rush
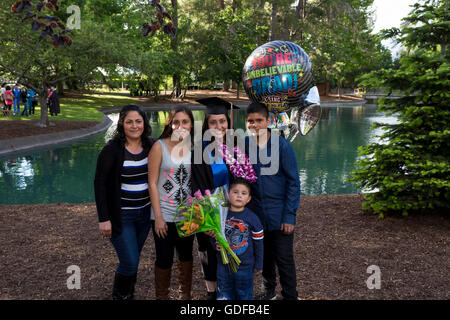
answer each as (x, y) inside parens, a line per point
(216, 105)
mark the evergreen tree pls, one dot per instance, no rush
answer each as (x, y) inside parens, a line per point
(409, 169)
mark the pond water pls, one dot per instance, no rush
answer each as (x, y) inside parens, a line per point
(65, 173)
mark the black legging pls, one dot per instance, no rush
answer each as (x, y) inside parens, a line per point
(208, 256)
(164, 247)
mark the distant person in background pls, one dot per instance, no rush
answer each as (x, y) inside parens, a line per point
(23, 96)
(53, 102)
(2, 98)
(3, 93)
(121, 195)
(141, 88)
(16, 100)
(34, 103)
(31, 96)
(8, 100)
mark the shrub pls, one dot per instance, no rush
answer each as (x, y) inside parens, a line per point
(409, 169)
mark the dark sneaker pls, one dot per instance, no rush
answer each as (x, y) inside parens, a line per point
(266, 295)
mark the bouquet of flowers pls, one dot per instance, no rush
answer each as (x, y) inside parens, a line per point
(201, 213)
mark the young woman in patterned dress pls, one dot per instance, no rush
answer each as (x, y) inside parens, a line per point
(169, 179)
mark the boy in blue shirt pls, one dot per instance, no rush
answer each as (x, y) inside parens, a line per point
(275, 198)
(31, 96)
(244, 232)
(16, 102)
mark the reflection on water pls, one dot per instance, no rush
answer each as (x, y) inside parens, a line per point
(21, 170)
(66, 173)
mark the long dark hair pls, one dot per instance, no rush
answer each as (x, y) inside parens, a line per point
(167, 132)
(205, 123)
(119, 134)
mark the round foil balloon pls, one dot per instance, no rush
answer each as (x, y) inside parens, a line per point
(277, 74)
(308, 118)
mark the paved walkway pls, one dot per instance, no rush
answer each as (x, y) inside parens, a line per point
(27, 143)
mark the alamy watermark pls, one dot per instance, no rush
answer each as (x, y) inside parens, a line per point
(374, 281)
(74, 281)
(268, 155)
(74, 21)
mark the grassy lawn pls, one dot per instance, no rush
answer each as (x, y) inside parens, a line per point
(82, 107)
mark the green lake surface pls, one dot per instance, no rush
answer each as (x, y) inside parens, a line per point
(65, 173)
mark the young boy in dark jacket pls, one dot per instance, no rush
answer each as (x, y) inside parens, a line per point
(244, 233)
(275, 198)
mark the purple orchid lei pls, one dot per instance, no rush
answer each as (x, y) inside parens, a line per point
(239, 166)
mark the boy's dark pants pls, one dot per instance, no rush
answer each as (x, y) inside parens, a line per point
(279, 251)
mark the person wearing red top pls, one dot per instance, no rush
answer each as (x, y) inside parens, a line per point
(8, 96)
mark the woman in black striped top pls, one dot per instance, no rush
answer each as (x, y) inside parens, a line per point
(134, 187)
(121, 195)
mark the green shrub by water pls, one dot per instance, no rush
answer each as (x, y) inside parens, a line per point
(409, 171)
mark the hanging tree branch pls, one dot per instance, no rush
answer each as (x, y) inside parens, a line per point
(160, 15)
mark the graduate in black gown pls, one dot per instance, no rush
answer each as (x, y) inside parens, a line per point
(211, 177)
(53, 102)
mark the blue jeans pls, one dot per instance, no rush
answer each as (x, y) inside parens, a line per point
(234, 286)
(16, 102)
(128, 245)
(26, 107)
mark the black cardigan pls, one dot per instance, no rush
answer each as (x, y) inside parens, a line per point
(107, 183)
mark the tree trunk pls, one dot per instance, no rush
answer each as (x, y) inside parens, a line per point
(60, 88)
(444, 46)
(226, 85)
(177, 85)
(174, 45)
(221, 4)
(274, 21)
(339, 89)
(259, 11)
(43, 101)
(301, 14)
(235, 5)
(60, 84)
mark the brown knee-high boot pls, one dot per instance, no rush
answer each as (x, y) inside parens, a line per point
(184, 279)
(162, 283)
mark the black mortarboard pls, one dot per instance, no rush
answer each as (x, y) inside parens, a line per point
(216, 105)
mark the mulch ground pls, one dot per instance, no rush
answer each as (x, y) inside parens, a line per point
(335, 243)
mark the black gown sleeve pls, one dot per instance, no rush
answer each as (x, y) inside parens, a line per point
(201, 176)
